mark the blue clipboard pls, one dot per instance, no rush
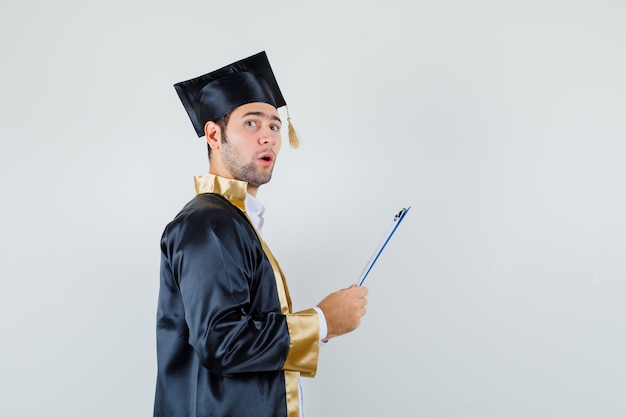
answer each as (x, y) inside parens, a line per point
(394, 225)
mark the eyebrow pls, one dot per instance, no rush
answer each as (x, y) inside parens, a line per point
(264, 115)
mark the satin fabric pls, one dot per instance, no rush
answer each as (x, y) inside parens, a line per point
(226, 345)
(211, 96)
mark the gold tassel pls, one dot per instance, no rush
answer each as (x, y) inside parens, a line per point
(294, 141)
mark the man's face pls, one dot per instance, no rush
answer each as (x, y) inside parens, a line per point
(251, 143)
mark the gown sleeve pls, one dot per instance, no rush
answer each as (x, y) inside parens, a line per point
(229, 299)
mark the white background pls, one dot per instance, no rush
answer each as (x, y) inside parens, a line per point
(502, 123)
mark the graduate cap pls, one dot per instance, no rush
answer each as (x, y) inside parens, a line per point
(213, 95)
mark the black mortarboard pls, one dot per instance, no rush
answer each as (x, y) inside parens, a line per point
(211, 96)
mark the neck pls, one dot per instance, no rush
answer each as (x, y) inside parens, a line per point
(252, 189)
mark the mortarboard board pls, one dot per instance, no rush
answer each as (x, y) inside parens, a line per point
(211, 96)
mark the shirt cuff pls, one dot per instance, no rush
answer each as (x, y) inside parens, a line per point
(323, 325)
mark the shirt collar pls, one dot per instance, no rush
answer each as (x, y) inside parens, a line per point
(255, 211)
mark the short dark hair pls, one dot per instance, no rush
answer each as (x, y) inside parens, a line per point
(222, 122)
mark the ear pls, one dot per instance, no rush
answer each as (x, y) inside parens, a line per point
(213, 134)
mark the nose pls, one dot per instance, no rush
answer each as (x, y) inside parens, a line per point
(267, 136)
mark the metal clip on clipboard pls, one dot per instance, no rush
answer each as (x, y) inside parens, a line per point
(394, 225)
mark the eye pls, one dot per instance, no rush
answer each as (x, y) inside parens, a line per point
(251, 123)
(275, 128)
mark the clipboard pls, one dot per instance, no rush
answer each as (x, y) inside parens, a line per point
(397, 219)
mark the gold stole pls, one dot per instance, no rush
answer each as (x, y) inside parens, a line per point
(291, 378)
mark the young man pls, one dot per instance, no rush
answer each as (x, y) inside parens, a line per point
(228, 343)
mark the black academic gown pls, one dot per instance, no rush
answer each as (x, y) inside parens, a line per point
(227, 341)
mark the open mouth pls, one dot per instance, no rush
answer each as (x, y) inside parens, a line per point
(267, 157)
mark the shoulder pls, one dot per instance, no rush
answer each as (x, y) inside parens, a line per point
(209, 203)
(209, 212)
